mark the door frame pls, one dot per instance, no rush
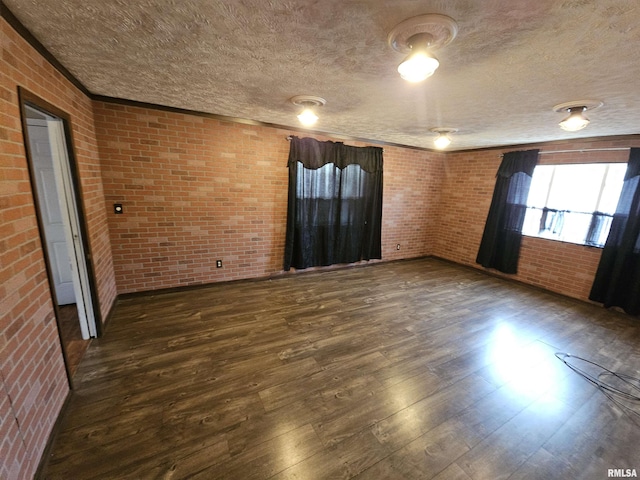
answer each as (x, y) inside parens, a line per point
(26, 98)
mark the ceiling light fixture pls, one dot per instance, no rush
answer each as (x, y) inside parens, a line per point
(443, 140)
(418, 36)
(576, 120)
(308, 103)
(420, 64)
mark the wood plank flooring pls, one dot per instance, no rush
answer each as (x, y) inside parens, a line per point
(407, 370)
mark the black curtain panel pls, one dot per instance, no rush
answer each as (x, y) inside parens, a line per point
(334, 212)
(617, 281)
(500, 245)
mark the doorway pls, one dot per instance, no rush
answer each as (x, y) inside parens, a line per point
(62, 232)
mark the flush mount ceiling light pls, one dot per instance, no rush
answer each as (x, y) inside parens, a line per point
(308, 103)
(443, 140)
(576, 120)
(419, 36)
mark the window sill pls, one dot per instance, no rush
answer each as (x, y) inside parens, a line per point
(562, 241)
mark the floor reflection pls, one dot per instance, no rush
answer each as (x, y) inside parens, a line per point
(528, 368)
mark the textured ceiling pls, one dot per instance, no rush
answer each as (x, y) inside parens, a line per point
(511, 62)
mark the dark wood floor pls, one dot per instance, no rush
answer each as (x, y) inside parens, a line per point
(406, 370)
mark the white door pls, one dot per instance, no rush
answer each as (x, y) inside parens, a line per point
(56, 198)
(75, 249)
(52, 219)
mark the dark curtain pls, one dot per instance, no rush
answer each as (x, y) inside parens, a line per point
(500, 245)
(617, 281)
(334, 212)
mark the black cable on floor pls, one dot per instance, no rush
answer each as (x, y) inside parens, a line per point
(612, 392)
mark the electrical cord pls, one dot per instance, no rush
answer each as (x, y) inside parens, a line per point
(626, 398)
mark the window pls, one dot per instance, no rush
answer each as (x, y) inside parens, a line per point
(324, 185)
(574, 202)
(334, 214)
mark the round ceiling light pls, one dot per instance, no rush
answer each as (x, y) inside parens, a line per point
(576, 120)
(418, 36)
(308, 103)
(443, 140)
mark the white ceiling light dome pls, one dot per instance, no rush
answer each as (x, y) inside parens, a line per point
(576, 120)
(443, 140)
(418, 37)
(309, 104)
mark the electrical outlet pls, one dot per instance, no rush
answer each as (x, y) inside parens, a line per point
(398, 247)
(218, 263)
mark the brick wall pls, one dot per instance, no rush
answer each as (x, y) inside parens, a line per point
(467, 188)
(198, 189)
(32, 375)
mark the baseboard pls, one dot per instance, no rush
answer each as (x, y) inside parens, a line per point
(273, 276)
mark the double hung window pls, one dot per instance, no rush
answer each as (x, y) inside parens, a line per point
(334, 213)
(573, 202)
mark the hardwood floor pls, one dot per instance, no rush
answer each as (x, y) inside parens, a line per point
(406, 370)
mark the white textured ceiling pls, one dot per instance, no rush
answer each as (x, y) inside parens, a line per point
(512, 61)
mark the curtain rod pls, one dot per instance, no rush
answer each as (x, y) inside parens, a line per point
(546, 152)
(582, 150)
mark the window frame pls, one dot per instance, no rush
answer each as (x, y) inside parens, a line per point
(597, 203)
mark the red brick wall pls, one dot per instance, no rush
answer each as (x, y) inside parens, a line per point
(197, 189)
(411, 197)
(33, 379)
(467, 188)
